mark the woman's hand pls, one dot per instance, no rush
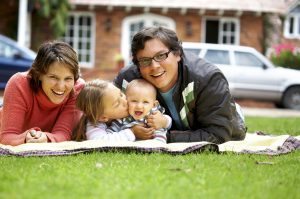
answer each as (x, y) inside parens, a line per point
(157, 120)
(141, 132)
(34, 136)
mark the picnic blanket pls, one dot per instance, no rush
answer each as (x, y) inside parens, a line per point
(255, 143)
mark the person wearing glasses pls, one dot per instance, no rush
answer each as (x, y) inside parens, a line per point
(194, 92)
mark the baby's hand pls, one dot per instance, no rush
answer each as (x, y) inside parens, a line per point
(141, 132)
(157, 120)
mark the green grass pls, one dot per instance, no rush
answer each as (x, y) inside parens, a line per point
(131, 175)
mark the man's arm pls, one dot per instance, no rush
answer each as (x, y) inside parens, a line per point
(212, 114)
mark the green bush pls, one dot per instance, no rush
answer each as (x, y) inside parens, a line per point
(286, 55)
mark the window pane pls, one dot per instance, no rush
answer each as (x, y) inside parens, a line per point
(224, 27)
(135, 27)
(80, 21)
(247, 59)
(232, 40)
(88, 21)
(217, 56)
(232, 27)
(193, 51)
(6, 50)
(224, 40)
(291, 25)
(71, 20)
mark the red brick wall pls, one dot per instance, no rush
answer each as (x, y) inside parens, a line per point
(295, 42)
(251, 31)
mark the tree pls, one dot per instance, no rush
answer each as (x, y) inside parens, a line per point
(56, 11)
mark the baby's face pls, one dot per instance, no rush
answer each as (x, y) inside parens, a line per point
(140, 102)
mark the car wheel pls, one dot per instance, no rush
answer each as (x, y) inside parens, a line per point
(291, 98)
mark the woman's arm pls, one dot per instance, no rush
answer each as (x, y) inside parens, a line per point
(16, 104)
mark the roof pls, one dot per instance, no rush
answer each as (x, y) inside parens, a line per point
(272, 6)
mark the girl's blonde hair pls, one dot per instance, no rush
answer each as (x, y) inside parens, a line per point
(90, 102)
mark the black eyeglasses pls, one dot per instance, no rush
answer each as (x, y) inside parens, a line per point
(144, 62)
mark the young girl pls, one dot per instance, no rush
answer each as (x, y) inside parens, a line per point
(100, 101)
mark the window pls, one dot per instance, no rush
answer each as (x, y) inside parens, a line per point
(132, 24)
(193, 51)
(292, 23)
(217, 56)
(80, 35)
(221, 31)
(247, 59)
(7, 51)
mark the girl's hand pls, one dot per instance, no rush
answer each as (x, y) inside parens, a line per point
(34, 136)
(157, 120)
(141, 132)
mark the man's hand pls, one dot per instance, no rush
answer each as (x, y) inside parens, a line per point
(142, 133)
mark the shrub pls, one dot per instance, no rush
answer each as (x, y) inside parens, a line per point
(286, 55)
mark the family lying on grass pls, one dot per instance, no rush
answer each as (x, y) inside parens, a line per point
(51, 103)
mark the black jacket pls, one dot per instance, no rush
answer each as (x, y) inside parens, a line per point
(208, 112)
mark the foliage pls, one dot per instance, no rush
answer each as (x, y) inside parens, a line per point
(286, 55)
(136, 175)
(56, 11)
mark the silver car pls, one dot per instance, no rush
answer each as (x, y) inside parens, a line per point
(250, 74)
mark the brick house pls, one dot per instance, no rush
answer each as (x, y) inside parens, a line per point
(101, 30)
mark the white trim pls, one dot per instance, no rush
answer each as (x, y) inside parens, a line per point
(147, 19)
(22, 19)
(76, 38)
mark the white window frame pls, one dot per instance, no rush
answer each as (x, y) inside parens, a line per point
(222, 20)
(296, 28)
(147, 19)
(76, 39)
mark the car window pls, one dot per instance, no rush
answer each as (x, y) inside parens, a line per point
(7, 50)
(193, 50)
(247, 59)
(217, 56)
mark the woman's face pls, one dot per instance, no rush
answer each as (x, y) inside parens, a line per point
(58, 82)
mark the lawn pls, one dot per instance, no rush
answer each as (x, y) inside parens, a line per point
(136, 175)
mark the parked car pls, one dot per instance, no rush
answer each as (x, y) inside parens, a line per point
(250, 74)
(13, 58)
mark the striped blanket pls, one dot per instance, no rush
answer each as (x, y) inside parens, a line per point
(254, 143)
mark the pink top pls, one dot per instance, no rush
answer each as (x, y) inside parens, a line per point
(23, 110)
